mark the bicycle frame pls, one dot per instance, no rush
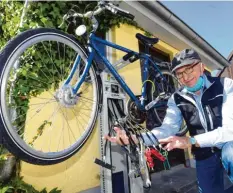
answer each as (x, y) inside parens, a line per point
(93, 49)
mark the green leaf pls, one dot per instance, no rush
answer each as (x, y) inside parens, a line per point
(44, 20)
(43, 191)
(5, 189)
(55, 190)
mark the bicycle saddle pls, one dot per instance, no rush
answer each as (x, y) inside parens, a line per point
(146, 40)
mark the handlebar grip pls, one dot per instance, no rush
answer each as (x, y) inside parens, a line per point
(124, 14)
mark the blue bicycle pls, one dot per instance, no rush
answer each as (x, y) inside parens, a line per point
(51, 89)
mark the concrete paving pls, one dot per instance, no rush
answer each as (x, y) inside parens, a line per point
(179, 180)
(176, 180)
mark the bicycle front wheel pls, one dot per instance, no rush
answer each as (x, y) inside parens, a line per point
(43, 121)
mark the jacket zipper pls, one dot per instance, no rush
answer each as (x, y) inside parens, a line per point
(211, 123)
(206, 128)
(210, 118)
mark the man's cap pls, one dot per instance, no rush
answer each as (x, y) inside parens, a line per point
(185, 57)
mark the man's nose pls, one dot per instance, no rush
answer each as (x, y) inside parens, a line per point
(185, 76)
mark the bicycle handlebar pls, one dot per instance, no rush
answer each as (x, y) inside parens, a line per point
(90, 13)
(116, 10)
(124, 14)
(102, 6)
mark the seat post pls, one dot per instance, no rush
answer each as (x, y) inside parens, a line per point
(147, 51)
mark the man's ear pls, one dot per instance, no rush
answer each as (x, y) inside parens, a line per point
(202, 67)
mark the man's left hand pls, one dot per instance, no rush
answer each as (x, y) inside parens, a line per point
(174, 142)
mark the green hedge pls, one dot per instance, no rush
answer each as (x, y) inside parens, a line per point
(50, 14)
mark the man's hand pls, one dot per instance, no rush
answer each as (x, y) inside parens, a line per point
(120, 137)
(175, 142)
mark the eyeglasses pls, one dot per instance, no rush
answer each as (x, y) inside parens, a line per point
(188, 70)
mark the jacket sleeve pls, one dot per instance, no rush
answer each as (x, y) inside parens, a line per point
(221, 135)
(170, 126)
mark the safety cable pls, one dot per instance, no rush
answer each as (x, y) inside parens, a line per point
(153, 85)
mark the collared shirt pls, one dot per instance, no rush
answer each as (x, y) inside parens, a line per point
(216, 138)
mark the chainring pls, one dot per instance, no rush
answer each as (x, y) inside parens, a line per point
(134, 113)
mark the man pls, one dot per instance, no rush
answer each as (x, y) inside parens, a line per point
(205, 103)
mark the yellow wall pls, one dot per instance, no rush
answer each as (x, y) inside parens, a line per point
(79, 172)
(74, 175)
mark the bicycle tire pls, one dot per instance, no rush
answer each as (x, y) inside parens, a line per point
(10, 56)
(159, 113)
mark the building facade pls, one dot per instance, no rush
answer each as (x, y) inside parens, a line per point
(79, 173)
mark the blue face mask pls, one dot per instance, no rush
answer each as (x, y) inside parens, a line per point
(197, 86)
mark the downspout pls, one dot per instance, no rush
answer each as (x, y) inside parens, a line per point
(170, 18)
(230, 59)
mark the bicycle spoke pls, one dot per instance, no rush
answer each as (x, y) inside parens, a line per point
(87, 99)
(25, 97)
(50, 139)
(62, 134)
(67, 123)
(81, 115)
(52, 116)
(77, 122)
(41, 68)
(59, 56)
(68, 127)
(82, 126)
(37, 111)
(64, 48)
(38, 108)
(38, 103)
(50, 57)
(83, 90)
(87, 107)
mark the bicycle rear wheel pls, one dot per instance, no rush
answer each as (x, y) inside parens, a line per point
(43, 122)
(168, 86)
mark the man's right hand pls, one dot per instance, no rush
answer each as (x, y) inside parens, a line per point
(121, 138)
